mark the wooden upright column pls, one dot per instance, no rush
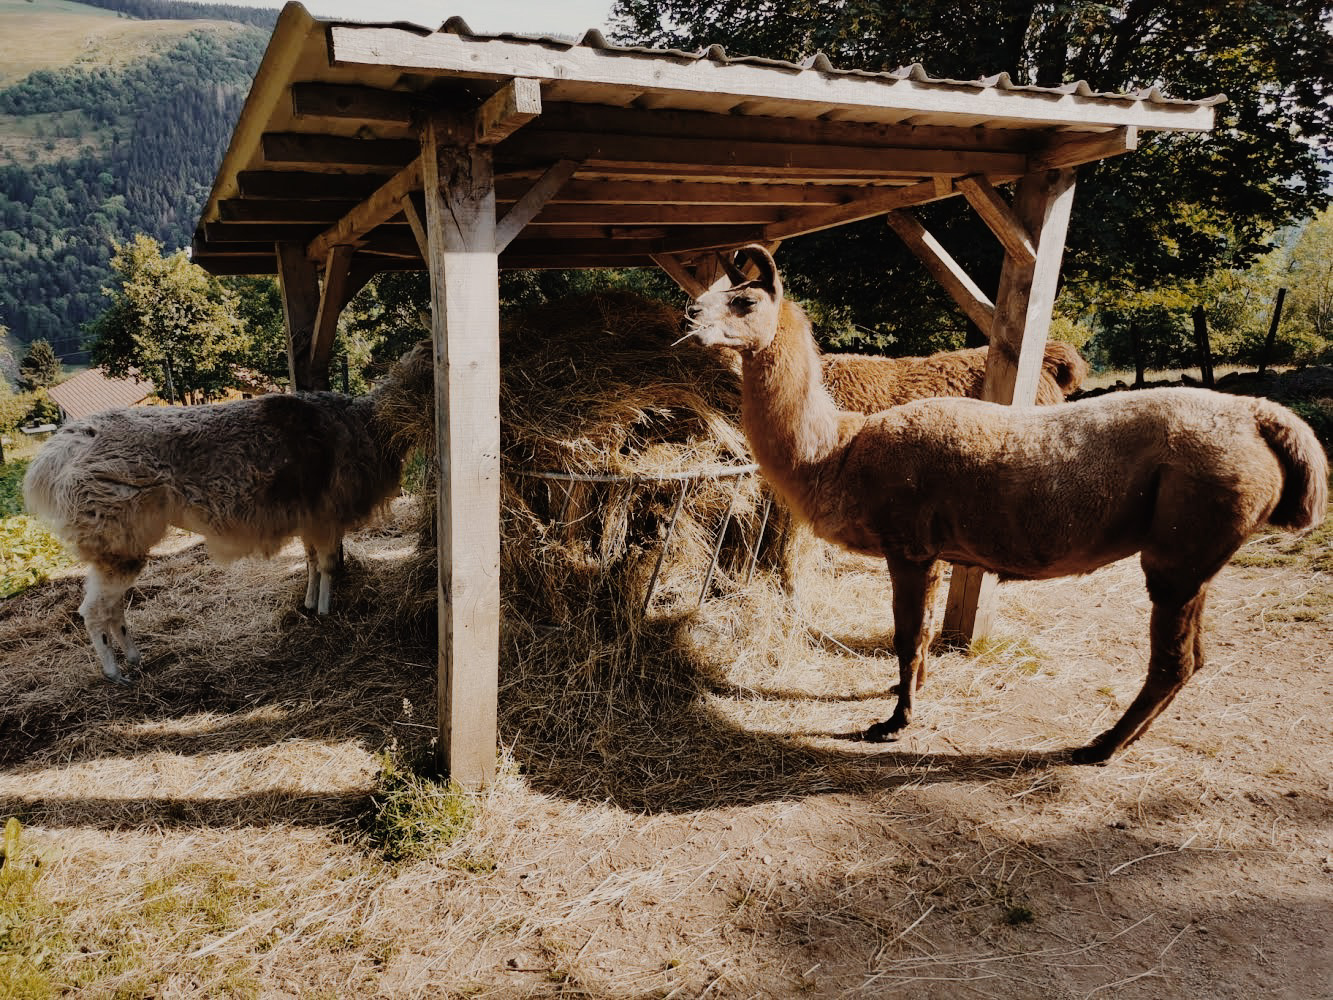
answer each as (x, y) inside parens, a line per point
(298, 281)
(460, 224)
(1023, 304)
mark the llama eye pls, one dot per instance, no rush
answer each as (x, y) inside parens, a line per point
(742, 305)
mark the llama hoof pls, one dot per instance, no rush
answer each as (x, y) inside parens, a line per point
(1093, 753)
(882, 732)
(118, 678)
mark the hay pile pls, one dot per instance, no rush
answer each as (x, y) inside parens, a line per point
(592, 387)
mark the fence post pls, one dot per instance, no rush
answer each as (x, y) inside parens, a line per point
(1272, 331)
(1201, 340)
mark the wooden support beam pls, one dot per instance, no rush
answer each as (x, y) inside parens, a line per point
(999, 217)
(282, 210)
(964, 291)
(1072, 150)
(507, 110)
(415, 214)
(360, 104)
(335, 292)
(336, 151)
(659, 215)
(880, 202)
(298, 282)
(306, 185)
(460, 222)
(380, 207)
(667, 192)
(681, 274)
(533, 201)
(1027, 291)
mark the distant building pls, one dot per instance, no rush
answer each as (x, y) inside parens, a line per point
(93, 390)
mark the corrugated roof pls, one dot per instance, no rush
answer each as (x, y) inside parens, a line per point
(93, 391)
(663, 151)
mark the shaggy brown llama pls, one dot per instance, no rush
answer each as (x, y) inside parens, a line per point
(1180, 476)
(246, 475)
(868, 384)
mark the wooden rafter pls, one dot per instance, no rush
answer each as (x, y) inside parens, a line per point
(381, 206)
(353, 103)
(941, 265)
(1073, 150)
(879, 203)
(999, 217)
(507, 110)
(533, 201)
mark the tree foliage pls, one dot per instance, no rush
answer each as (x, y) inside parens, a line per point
(1180, 208)
(39, 368)
(171, 321)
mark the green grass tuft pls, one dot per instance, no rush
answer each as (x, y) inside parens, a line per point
(412, 815)
(31, 931)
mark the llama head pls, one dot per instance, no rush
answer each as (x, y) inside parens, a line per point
(743, 317)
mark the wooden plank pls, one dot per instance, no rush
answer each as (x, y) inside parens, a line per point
(662, 192)
(999, 217)
(507, 110)
(352, 103)
(675, 267)
(335, 292)
(880, 202)
(512, 262)
(756, 126)
(1013, 363)
(736, 158)
(1073, 150)
(305, 185)
(298, 282)
(941, 265)
(336, 151)
(533, 201)
(252, 232)
(658, 215)
(282, 210)
(460, 222)
(416, 218)
(381, 206)
(447, 53)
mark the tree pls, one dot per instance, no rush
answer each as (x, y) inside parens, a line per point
(169, 320)
(1179, 208)
(39, 368)
(1310, 305)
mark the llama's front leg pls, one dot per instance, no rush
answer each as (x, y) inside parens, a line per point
(327, 559)
(311, 577)
(103, 611)
(914, 585)
(1177, 652)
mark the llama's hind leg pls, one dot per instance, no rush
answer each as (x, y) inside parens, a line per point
(103, 611)
(311, 577)
(914, 586)
(322, 561)
(1177, 653)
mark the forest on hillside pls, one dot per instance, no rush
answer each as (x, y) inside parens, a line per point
(153, 133)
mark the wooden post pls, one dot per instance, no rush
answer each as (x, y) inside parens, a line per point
(1205, 349)
(1023, 304)
(299, 284)
(1136, 340)
(460, 227)
(1272, 331)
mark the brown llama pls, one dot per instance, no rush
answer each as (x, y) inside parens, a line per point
(868, 384)
(1180, 476)
(246, 475)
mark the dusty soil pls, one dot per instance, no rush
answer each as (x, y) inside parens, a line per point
(201, 826)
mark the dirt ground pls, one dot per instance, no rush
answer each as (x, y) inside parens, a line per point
(201, 836)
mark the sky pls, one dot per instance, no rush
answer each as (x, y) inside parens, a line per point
(566, 17)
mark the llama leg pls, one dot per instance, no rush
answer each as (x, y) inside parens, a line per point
(311, 577)
(327, 562)
(1176, 655)
(913, 584)
(936, 574)
(103, 611)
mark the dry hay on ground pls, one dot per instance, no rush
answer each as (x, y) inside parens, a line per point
(705, 831)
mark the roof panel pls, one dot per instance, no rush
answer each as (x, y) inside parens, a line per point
(632, 115)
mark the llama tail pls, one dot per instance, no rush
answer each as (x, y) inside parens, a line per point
(1065, 365)
(1304, 497)
(42, 482)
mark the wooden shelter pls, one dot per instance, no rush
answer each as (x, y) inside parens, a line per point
(364, 148)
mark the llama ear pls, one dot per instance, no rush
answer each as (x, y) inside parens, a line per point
(767, 278)
(736, 275)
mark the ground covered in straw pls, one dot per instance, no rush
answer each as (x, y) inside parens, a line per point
(675, 818)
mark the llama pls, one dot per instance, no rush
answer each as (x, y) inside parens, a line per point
(868, 383)
(246, 475)
(1180, 476)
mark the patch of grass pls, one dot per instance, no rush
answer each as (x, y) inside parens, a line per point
(1016, 914)
(28, 554)
(412, 815)
(31, 931)
(11, 486)
(1010, 651)
(1312, 551)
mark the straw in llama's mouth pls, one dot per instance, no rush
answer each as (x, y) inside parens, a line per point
(681, 340)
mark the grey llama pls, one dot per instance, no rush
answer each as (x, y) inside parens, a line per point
(247, 475)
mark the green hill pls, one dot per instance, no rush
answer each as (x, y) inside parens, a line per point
(113, 119)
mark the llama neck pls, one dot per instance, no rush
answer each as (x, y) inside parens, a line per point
(790, 420)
